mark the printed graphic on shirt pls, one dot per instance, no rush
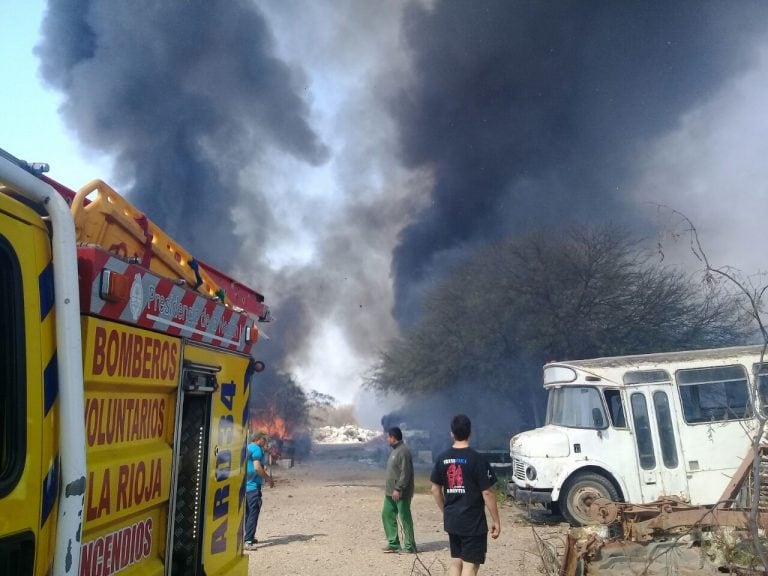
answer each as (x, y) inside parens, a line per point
(455, 475)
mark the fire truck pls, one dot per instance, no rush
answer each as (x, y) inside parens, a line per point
(125, 374)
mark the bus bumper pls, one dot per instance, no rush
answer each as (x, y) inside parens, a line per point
(527, 495)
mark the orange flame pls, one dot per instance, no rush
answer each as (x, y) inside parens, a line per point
(270, 423)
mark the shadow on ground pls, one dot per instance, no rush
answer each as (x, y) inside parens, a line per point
(536, 515)
(287, 539)
(435, 546)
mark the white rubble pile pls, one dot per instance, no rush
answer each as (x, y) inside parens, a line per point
(347, 434)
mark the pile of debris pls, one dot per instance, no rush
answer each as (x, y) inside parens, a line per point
(661, 538)
(669, 536)
(347, 434)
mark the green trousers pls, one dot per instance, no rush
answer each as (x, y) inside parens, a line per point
(389, 513)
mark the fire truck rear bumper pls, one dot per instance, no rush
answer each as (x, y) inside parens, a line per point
(528, 496)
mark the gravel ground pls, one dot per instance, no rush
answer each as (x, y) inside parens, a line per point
(324, 517)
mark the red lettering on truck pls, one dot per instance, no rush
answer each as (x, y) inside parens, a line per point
(137, 483)
(128, 355)
(117, 550)
(116, 420)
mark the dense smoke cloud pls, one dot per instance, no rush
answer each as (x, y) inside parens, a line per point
(335, 291)
(341, 156)
(532, 113)
(184, 94)
(255, 137)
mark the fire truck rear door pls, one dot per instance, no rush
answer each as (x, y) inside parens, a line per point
(28, 464)
(207, 528)
(198, 383)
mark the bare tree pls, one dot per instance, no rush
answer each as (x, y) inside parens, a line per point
(751, 291)
(519, 303)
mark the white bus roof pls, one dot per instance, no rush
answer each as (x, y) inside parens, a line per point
(612, 368)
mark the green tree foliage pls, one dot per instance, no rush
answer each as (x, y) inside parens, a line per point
(520, 303)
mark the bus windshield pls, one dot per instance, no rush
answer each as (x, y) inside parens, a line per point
(576, 407)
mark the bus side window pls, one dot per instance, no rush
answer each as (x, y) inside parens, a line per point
(666, 429)
(714, 394)
(762, 385)
(615, 408)
(643, 431)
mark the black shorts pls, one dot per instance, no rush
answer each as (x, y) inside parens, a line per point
(471, 549)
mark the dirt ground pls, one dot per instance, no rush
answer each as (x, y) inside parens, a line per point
(324, 517)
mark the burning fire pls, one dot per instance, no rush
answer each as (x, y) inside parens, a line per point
(268, 421)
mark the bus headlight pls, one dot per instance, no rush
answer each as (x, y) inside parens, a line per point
(530, 473)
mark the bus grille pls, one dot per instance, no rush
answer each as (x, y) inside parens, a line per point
(518, 468)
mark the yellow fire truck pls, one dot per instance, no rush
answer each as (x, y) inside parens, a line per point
(125, 372)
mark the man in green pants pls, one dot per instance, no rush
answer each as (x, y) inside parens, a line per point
(398, 494)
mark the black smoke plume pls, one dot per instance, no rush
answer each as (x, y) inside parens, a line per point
(205, 116)
(507, 115)
(183, 94)
(531, 113)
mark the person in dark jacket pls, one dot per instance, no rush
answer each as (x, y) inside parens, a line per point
(398, 494)
(462, 486)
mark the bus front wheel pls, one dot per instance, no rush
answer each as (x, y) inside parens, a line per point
(580, 491)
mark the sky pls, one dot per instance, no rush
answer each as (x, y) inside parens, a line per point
(340, 156)
(32, 128)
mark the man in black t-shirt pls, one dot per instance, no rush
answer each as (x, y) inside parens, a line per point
(462, 485)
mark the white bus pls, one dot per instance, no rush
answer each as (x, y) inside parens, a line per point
(636, 428)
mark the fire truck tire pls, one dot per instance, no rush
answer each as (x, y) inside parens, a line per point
(578, 493)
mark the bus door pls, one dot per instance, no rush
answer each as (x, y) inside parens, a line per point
(186, 526)
(657, 442)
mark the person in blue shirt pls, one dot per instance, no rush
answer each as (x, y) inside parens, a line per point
(256, 474)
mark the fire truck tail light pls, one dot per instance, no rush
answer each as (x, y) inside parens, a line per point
(251, 334)
(115, 287)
